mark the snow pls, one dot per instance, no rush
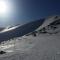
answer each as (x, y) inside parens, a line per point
(41, 47)
(47, 22)
(44, 46)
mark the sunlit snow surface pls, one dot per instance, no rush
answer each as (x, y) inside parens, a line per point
(48, 21)
(19, 44)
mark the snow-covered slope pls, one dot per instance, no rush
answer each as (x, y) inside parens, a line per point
(48, 20)
(39, 47)
(51, 25)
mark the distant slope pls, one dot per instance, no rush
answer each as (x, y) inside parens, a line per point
(20, 30)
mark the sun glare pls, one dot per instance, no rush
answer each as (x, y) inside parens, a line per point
(3, 7)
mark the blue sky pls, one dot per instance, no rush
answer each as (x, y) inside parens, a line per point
(28, 10)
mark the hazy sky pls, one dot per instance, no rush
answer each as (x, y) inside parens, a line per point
(23, 11)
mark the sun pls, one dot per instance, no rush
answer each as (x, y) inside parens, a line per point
(3, 7)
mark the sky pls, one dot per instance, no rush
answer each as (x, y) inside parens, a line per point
(23, 11)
